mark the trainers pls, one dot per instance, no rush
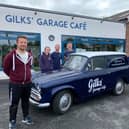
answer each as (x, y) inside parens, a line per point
(12, 124)
(27, 120)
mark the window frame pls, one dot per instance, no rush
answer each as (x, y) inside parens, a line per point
(115, 58)
(91, 63)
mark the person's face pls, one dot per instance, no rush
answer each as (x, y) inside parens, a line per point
(57, 47)
(47, 50)
(69, 46)
(22, 44)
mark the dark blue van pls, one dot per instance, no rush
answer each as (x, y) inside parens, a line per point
(83, 75)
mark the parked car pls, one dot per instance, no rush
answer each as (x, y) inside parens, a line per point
(83, 75)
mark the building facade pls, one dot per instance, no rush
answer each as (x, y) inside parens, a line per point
(122, 17)
(47, 28)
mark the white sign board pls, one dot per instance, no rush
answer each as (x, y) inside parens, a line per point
(20, 20)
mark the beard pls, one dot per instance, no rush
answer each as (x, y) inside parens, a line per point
(22, 48)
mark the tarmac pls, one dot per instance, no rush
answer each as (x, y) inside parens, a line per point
(101, 112)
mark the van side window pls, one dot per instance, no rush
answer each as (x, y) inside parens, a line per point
(116, 61)
(98, 63)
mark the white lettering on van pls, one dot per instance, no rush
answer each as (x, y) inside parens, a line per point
(95, 85)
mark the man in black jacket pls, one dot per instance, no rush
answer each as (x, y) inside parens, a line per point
(56, 58)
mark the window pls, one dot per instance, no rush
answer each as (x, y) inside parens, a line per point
(75, 62)
(98, 63)
(82, 44)
(8, 43)
(116, 61)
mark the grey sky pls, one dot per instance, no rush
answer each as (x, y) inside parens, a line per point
(94, 8)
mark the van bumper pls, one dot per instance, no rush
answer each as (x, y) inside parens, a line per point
(41, 105)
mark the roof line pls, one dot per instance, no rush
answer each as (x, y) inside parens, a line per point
(55, 12)
(121, 13)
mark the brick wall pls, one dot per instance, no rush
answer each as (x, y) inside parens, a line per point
(127, 39)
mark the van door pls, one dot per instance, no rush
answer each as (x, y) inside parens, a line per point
(97, 80)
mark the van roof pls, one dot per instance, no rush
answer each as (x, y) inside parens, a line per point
(98, 53)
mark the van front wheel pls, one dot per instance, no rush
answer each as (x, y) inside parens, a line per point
(62, 102)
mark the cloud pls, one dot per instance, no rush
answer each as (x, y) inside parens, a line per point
(94, 8)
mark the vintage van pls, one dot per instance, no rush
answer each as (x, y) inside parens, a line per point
(83, 75)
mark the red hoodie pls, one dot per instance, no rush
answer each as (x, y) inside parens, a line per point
(18, 72)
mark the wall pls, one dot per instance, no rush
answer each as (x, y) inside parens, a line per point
(127, 38)
(14, 19)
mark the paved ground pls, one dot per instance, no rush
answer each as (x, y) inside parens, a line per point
(105, 112)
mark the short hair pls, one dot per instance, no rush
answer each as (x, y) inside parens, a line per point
(46, 47)
(21, 36)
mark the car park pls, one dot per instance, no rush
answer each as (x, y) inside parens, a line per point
(83, 75)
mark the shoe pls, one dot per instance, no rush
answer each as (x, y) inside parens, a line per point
(12, 124)
(27, 120)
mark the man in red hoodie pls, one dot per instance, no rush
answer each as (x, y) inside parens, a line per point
(17, 65)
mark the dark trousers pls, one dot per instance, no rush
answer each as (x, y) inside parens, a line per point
(19, 92)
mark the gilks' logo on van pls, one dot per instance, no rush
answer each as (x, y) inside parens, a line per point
(95, 85)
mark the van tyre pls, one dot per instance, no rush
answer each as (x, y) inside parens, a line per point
(62, 102)
(119, 87)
